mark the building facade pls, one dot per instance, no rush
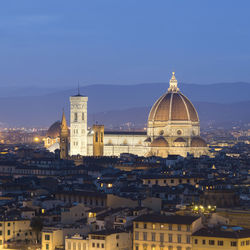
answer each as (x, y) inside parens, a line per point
(78, 125)
(173, 128)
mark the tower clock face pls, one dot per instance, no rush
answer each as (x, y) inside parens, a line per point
(179, 132)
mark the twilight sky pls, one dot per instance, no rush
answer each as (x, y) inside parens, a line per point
(54, 43)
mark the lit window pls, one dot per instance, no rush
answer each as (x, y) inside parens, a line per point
(153, 226)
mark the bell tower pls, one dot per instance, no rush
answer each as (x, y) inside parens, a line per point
(64, 138)
(78, 125)
(98, 139)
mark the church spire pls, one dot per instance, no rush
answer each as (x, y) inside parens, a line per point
(64, 123)
(64, 140)
(173, 84)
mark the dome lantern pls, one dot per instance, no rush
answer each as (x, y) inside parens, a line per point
(173, 84)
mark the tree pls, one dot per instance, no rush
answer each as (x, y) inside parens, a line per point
(37, 226)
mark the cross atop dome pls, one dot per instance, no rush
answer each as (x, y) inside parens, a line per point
(173, 84)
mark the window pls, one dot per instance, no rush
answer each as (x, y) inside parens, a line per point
(74, 246)
(79, 246)
(8, 224)
(144, 235)
(47, 246)
(211, 242)
(172, 181)
(145, 247)
(117, 236)
(170, 227)
(97, 245)
(188, 239)
(101, 136)
(162, 226)
(195, 241)
(145, 226)
(136, 235)
(233, 243)
(69, 245)
(1, 232)
(156, 182)
(8, 232)
(136, 225)
(220, 242)
(93, 244)
(153, 236)
(204, 242)
(242, 243)
(179, 238)
(96, 137)
(102, 245)
(47, 237)
(1, 242)
(75, 117)
(170, 238)
(179, 227)
(179, 248)
(153, 247)
(188, 228)
(0, 224)
(188, 248)
(247, 242)
(136, 247)
(161, 237)
(170, 248)
(83, 116)
(153, 226)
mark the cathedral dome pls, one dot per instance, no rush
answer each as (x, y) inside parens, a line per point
(54, 130)
(173, 106)
(198, 142)
(159, 142)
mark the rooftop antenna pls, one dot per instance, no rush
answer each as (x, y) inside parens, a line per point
(78, 89)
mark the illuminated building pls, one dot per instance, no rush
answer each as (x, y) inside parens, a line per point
(173, 129)
(78, 125)
(224, 237)
(159, 232)
(106, 240)
(12, 231)
(64, 139)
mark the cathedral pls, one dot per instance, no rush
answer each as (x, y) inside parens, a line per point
(173, 128)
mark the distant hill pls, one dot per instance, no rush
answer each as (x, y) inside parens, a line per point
(213, 102)
(208, 112)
